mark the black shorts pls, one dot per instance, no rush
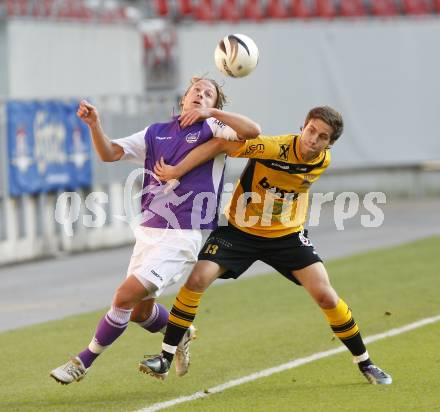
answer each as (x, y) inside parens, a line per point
(236, 251)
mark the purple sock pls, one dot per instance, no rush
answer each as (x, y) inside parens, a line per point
(157, 320)
(109, 328)
(87, 357)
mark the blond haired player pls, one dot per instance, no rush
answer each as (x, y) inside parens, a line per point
(169, 236)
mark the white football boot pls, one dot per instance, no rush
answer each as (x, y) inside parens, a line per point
(183, 357)
(72, 371)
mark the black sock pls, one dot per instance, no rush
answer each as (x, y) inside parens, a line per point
(362, 365)
(168, 356)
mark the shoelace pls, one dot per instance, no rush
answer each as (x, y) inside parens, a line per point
(185, 346)
(380, 372)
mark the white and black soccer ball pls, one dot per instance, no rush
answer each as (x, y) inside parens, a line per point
(236, 55)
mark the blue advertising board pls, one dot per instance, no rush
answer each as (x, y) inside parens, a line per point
(49, 148)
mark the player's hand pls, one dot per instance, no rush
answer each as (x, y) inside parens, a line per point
(193, 116)
(87, 113)
(165, 172)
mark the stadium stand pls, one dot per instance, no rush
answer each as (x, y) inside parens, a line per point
(162, 7)
(416, 7)
(230, 11)
(69, 9)
(325, 9)
(383, 8)
(216, 10)
(352, 8)
(253, 10)
(205, 11)
(186, 7)
(276, 9)
(258, 10)
(300, 9)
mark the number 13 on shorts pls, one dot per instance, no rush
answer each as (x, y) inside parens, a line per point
(211, 249)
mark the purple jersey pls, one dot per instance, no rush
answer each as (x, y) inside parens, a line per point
(194, 202)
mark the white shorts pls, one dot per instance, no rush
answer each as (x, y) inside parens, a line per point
(163, 256)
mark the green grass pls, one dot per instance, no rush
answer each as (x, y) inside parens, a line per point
(329, 384)
(246, 326)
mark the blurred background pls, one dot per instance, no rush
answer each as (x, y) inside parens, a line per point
(376, 61)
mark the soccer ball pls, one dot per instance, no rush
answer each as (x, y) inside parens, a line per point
(236, 55)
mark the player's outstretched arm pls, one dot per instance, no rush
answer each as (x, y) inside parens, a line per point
(245, 127)
(107, 151)
(195, 157)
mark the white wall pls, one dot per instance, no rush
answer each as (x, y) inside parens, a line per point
(3, 60)
(56, 59)
(383, 75)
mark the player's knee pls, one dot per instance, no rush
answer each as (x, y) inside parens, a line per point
(327, 298)
(197, 282)
(142, 311)
(122, 299)
(126, 297)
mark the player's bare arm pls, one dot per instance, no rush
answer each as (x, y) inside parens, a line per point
(196, 157)
(107, 151)
(245, 127)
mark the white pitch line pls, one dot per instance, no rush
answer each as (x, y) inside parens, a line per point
(285, 366)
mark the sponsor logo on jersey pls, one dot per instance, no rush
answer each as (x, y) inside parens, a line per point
(164, 137)
(284, 151)
(280, 166)
(221, 124)
(283, 193)
(288, 167)
(192, 137)
(254, 148)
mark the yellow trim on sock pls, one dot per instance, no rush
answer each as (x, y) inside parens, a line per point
(185, 308)
(179, 322)
(338, 315)
(349, 334)
(189, 295)
(187, 302)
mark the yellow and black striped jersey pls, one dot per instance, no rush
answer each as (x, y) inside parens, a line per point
(271, 196)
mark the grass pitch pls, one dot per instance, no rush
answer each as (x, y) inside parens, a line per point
(246, 326)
